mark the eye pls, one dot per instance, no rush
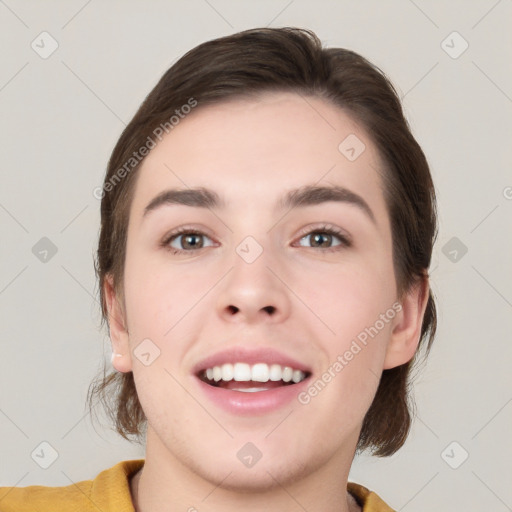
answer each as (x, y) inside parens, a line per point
(325, 238)
(185, 240)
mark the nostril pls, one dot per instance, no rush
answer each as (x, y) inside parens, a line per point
(269, 309)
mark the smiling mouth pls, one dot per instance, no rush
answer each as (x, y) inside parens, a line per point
(251, 378)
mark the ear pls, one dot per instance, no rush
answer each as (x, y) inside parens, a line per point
(406, 332)
(121, 354)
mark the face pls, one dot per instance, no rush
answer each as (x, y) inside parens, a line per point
(260, 278)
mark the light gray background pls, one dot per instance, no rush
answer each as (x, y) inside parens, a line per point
(60, 118)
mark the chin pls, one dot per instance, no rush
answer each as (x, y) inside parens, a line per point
(260, 478)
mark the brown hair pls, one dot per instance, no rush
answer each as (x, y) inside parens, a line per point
(285, 60)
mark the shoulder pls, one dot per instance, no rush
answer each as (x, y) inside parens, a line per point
(109, 491)
(369, 501)
(38, 497)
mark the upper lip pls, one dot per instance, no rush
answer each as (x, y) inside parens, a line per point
(250, 356)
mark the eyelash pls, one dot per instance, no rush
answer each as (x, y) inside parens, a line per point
(329, 230)
(345, 242)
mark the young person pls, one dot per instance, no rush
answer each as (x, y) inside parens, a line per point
(267, 224)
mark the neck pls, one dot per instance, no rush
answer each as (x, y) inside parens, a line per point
(165, 481)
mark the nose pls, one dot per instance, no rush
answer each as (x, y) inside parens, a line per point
(254, 292)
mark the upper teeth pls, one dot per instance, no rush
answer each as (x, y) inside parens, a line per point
(260, 372)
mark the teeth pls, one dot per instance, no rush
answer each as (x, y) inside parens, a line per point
(260, 372)
(228, 372)
(241, 372)
(297, 376)
(275, 372)
(287, 374)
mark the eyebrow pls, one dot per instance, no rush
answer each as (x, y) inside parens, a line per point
(308, 195)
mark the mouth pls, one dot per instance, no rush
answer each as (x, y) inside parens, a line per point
(251, 378)
(251, 381)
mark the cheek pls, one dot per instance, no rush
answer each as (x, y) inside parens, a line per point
(155, 296)
(167, 304)
(347, 298)
(355, 306)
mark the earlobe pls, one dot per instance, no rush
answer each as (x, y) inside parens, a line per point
(120, 362)
(406, 332)
(121, 355)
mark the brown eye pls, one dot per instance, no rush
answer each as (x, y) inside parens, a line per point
(186, 241)
(322, 239)
(191, 241)
(325, 239)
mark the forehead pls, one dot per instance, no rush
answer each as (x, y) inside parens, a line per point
(252, 150)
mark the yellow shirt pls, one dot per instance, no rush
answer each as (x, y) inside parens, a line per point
(110, 492)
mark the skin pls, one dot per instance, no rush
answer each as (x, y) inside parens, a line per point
(251, 152)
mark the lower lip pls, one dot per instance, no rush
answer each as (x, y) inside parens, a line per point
(258, 402)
